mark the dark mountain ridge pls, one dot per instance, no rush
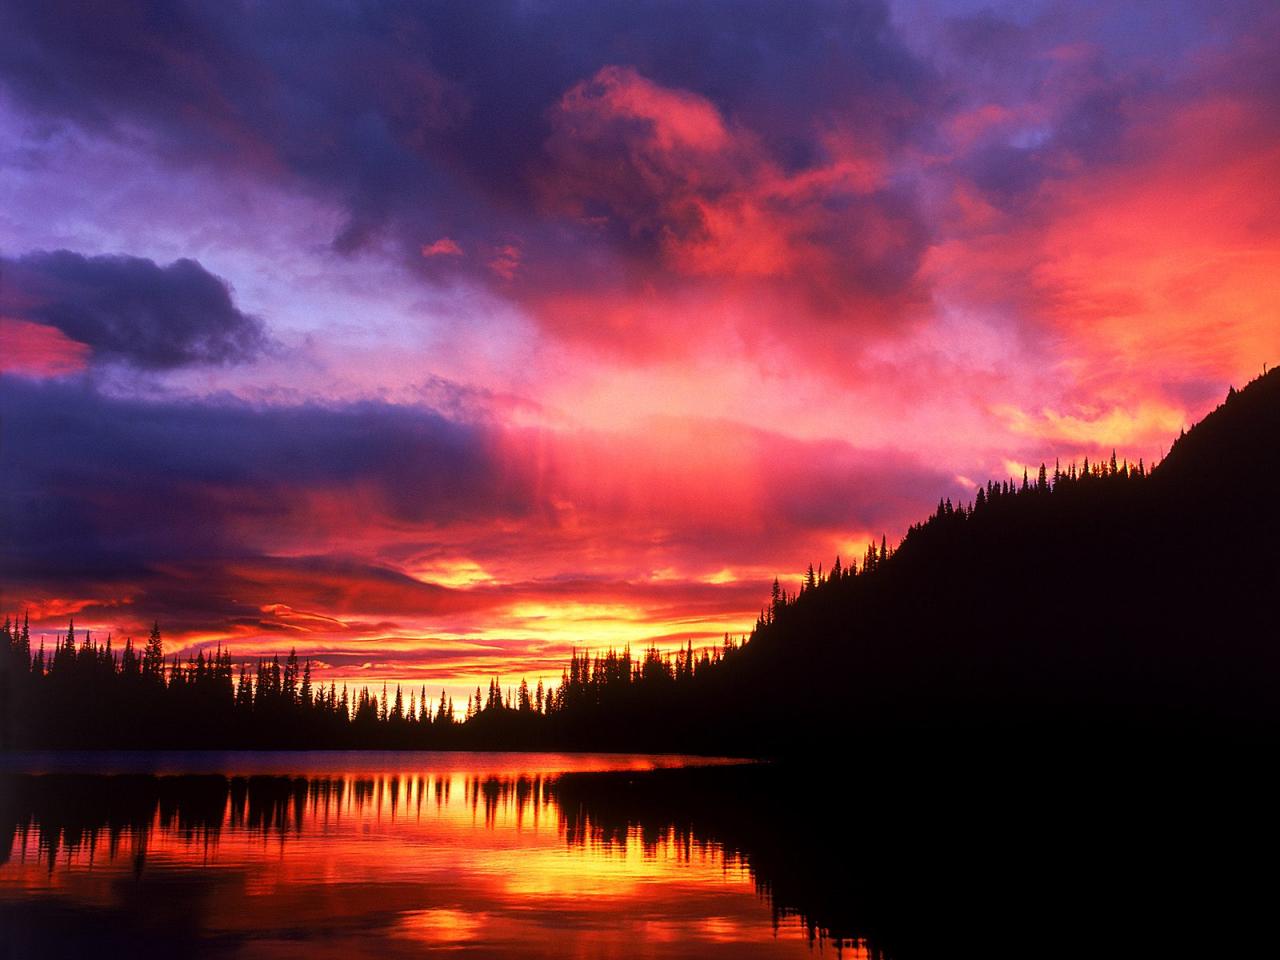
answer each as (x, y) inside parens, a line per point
(1105, 597)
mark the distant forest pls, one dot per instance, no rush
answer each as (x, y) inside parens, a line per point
(86, 694)
(1089, 598)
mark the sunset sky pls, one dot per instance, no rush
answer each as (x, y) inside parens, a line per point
(435, 339)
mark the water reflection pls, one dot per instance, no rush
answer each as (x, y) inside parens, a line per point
(364, 864)
(513, 855)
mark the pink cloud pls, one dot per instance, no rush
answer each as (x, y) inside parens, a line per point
(670, 120)
(506, 260)
(695, 210)
(1145, 281)
(37, 350)
(444, 247)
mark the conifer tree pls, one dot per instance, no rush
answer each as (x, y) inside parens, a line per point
(153, 656)
(289, 688)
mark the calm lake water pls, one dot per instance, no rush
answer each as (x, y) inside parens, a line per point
(374, 855)
(385, 855)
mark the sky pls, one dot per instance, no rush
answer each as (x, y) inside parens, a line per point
(435, 340)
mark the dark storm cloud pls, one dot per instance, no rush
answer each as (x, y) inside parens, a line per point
(178, 509)
(207, 510)
(131, 309)
(107, 486)
(431, 119)
(325, 82)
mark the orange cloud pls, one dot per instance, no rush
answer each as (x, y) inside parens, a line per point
(1138, 286)
(1136, 429)
(1173, 268)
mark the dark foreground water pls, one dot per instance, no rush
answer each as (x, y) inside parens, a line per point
(386, 855)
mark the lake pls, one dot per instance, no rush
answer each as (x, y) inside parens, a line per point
(360, 855)
(385, 855)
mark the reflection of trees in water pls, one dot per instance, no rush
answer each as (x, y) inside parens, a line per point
(71, 816)
(932, 855)
(69, 813)
(755, 816)
(1020, 861)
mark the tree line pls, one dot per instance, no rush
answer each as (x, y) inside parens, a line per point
(89, 694)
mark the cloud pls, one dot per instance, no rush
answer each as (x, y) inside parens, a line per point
(700, 213)
(229, 465)
(444, 247)
(506, 259)
(34, 349)
(130, 309)
(201, 513)
(226, 519)
(1133, 237)
(420, 125)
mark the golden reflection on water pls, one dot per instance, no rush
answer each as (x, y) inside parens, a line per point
(383, 864)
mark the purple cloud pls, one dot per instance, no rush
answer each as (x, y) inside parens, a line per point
(132, 310)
